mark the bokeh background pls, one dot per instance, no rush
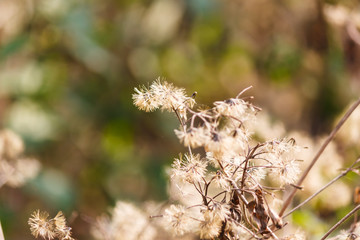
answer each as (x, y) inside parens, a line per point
(68, 70)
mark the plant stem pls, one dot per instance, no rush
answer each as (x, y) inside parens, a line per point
(183, 126)
(322, 189)
(340, 222)
(321, 150)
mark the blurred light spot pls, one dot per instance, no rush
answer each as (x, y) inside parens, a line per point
(127, 184)
(237, 72)
(31, 121)
(53, 8)
(27, 80)
(79, 28)
(143, 63)
(309, 87)
(53, 186)
(12, 17)
(162, 19)
(183, 59)
(203, 7)
(31, 79)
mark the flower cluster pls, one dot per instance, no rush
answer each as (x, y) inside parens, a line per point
(235, 179)
(161, 95)
(15, 169)
(54, 228)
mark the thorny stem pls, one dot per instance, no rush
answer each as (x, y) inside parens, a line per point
(321, 150)
(323, 188)
(341, 221)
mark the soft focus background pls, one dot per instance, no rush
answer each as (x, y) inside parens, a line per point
(68, 70)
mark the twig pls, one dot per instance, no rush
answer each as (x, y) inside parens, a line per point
(250, 156)
(340, 222)
(321, 150)
(322, 189)
(243, 91)
(182, 125)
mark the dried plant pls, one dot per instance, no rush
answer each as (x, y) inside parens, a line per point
(232, 178)
(54, 228)
(231, 191)
(228, 185)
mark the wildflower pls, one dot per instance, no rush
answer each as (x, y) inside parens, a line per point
(193, 137)
(190, 169)
(237, 166)
(41, 226)
(177, 219)
(211, 225)
(222, 181)
(63, 231)
(164, 95)
(144, 100)
(236, 108)
(285, 167)
(167, 95)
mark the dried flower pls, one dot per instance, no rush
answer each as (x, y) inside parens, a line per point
(189, 168)
(164, 95)
(177, 219)
(193, 137)
(41, 225)
(211, 225)
(228, 196)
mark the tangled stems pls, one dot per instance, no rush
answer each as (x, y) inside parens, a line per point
(236, 165)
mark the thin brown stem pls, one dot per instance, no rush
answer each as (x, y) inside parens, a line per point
(323, 188)
(341, 221)
(183, 126)
(246, 163)
(318, 154)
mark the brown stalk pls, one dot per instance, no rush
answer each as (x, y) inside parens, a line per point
(340, 222)
(318, 154)
(323, 188)
(182, 125)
